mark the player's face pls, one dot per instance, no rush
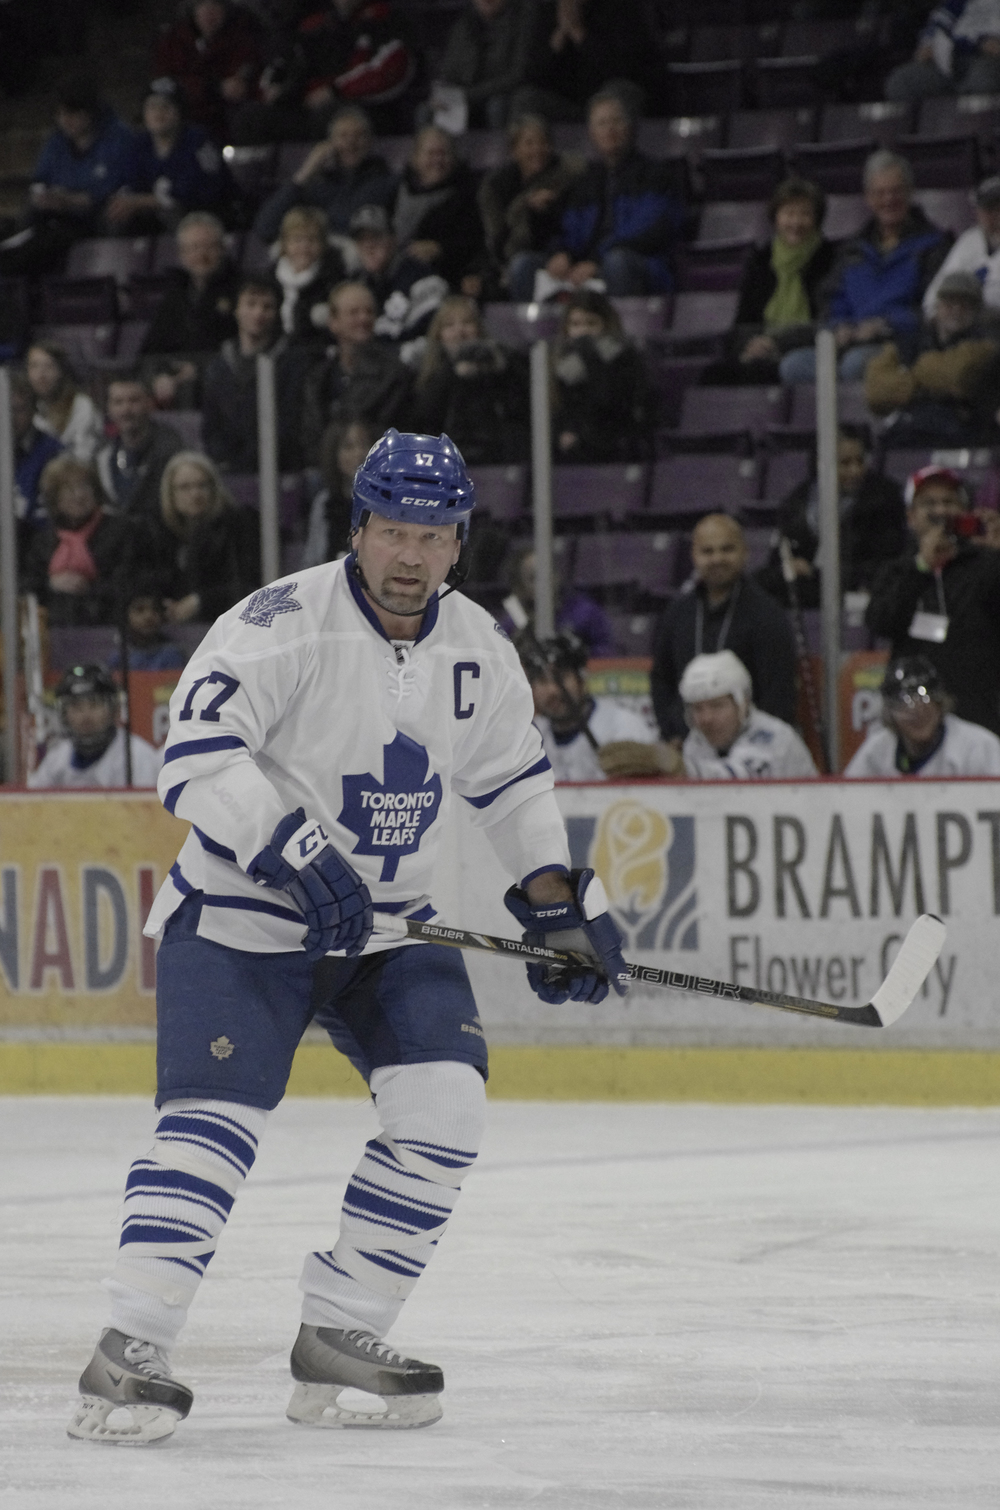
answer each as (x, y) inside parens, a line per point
(88, 715)
(916, 723)
(558, 700)
(718, 718)
(404, 564)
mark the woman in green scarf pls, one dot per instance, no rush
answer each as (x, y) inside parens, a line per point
(780, 287)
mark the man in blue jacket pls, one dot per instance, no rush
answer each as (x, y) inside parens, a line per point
(82, 164)
(621, 219)
(876, 285)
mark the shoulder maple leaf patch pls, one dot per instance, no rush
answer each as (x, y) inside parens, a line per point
(265, 605)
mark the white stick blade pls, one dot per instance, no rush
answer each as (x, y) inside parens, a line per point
(910, 968)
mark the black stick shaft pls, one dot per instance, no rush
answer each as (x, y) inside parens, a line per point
(671, 980)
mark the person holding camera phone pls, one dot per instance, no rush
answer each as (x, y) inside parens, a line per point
(471, 388)
(941, 598)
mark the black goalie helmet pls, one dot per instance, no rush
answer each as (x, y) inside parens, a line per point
(86, 681)
(912, 680)
(543, 658)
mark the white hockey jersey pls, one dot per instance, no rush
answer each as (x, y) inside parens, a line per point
(56, 769)
(967, 750)
(296, 698)
(970, 254)
(766, 749)
(576, 759)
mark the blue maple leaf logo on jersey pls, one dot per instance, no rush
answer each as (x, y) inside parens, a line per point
(268, 602)
(391, 816)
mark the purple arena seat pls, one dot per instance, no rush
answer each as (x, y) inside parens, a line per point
(719, 44)
(143, 295)
(851, 406)
(671, 377)
(785, 470)
(696, 484)
(836, 166)
(705, 88)
(697, 316)
(585, 492)
(901, 462)
(951, 209)
(520, 324)
(244, 489)
(118, 257)
(960, 115)
(501, 492)
(845, 215)
(187, 423)
(738, 173)
(618, 558)
(681, 136)
(759, 543)
(711, 266)
(715, 410)
(79, 301)
(786, 83)
(643, 316)
(728, 221)
(771, 128)
(633, 633)
(820, 38)
(885, 120)
(941, 162)
(131, 334)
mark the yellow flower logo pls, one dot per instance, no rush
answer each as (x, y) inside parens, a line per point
(630, 855)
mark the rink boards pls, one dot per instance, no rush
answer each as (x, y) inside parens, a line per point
(800, 887)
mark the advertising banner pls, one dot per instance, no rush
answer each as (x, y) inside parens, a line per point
(806, 888)
(78, 873)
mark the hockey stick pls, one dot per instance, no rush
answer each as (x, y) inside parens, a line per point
(909, 970)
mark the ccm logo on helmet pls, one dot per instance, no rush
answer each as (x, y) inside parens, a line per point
(420, 503)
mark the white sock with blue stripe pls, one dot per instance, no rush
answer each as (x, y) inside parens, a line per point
(177, 1200)
(399, 1199)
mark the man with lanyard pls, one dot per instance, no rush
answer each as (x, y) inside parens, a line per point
(941, 599)
(919, 735)
(723, 609)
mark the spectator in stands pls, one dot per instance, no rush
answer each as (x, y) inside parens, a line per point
(375, 248)
(203, 552)
(344, 447)
(307, 268)
(522, 202)
(346, 52)
(976, 251)
(580, 46)
(487, 56)
(879, 277)
(935, 386)
(621, 217)
(82, 164)
(93, 752)
(919, 733)
(173, 168)
(72, 562)
(603, 401)
(33, 450)
(724, 609)
(62, 409)
(340, 174)
(215, 54)
(941, 597)
(195, 315)
(229, 387)
(587, 738)
(574, 610)
(780, 291)
(472, 388)
(149, 649)
(872, 525)
(131, 463)
(958, 53)
(729, 738)
(359, 378)
(435, 217)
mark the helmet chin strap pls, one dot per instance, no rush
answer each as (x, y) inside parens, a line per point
(455, 579)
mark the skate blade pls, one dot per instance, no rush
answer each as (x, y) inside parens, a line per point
(316, 1405)
(136, 1426)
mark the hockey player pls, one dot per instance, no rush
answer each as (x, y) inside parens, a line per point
(730, 739)
(93, 754)
(586, 738)
(920, 735)
(316, 739)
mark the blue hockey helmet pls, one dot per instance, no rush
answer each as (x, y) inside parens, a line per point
(415, 479)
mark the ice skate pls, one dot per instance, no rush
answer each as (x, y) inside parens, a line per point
(129, 1396)
(326, 1360)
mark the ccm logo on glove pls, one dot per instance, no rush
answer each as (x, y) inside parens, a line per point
(306, 841)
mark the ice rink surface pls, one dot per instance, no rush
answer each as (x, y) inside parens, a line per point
(722, 1308)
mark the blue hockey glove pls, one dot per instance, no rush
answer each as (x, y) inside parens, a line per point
(583, 925)
(332, 896)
